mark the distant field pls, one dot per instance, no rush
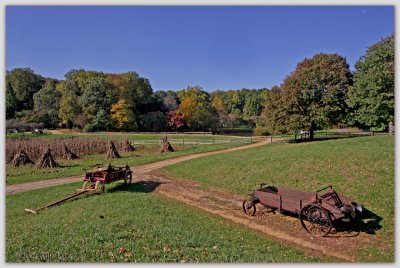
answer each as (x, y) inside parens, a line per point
(362, 168)
(121, 136)
(143, 155)
(130, 224)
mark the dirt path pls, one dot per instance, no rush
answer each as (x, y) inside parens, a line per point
(29, 186)
(342, 246)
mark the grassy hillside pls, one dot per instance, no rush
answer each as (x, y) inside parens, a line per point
(130, 224)
(361, 168)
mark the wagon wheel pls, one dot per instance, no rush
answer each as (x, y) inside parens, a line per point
(128, 177)
(248, 207)
(100, 186)
(87, 185)
(316, 220)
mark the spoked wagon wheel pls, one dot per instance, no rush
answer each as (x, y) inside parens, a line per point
(316, 220)
(249, 207)
(87, 185)
(128, 177)
(100, 186)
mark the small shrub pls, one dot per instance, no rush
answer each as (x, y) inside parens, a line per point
(261, 131)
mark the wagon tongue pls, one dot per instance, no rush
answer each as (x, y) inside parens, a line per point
(30, 211)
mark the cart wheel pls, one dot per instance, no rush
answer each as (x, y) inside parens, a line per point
(128, 177)
(100, 186)
(316, 220)
(87, 185)
(249, 208)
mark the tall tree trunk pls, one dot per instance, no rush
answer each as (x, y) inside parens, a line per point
(311, 130)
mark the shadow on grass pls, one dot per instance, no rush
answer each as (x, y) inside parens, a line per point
(368, 223)
(323, 139)
(139, 187)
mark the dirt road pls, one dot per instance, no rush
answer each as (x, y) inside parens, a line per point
(342, 246)
(29, 186)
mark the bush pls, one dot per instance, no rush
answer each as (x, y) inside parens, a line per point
(261, 131)
(89, 128)
(22, 126)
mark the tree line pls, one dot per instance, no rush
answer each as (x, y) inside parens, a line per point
(321, 92)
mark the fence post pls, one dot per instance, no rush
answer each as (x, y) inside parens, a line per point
(349, 134)
(326, 135)
(251, 140)
(213, 140)
(373, 132)
(271, 137)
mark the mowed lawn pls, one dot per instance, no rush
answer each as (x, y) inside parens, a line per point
(130, 224)
(144, 154)
(361, 168)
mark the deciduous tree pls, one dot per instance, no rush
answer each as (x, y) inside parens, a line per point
(46, 105)
(313, 96)
(372, 96)
(25, 83)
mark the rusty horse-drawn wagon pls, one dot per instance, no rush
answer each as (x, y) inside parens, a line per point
(94, 182)
(317, 211)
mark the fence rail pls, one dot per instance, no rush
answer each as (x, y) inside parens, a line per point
(325, 135)
(214, 140)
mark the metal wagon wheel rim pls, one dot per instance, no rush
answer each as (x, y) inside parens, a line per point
(128, 178)
(100, 186)
(87, 185)
(316, 220)
(249, 207)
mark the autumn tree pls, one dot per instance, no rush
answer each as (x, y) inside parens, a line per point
(123, 116)
(220, 106)
(70, 105)
(176, 120)
(197, 109)
(313, 96)
(275, 115)
(371, 98)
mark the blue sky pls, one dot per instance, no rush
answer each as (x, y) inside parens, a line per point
(174, 47)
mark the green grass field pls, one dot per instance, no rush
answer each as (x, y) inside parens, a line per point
(361, 168)
(143, 155)
(129, 224)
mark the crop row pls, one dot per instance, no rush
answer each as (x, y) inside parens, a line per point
(36, 147)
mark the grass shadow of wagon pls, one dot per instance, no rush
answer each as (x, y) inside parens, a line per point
(368, 223)
(321, 213)
(138, 187)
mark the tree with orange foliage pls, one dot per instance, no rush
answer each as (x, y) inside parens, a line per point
(123, 116)
(197, 109)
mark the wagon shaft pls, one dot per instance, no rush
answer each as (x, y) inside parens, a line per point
(58, 201)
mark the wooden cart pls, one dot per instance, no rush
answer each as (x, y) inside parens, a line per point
(317, 211)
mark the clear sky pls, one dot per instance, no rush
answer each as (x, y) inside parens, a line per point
(214, 47)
